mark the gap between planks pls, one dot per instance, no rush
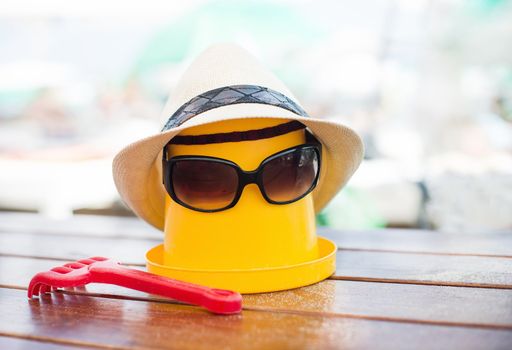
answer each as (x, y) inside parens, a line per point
(339, 277)
(472, 325)
(60, 341)
(44, 257)
(412, 252)
(153, 239)
(422, 283)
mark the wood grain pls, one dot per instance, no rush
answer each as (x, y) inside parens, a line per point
(389, 240)
(78, 225)
(421, 306)
(69, 247)
(25, 341)
(133, 324)
(485, 244)
(472, 306)
(472, 271)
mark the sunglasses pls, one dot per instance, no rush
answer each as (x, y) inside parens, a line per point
(209, 184)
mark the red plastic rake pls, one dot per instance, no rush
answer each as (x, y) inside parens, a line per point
(104, 270)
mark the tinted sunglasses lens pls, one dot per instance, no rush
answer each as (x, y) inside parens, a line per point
(290, 176)
(205, 185)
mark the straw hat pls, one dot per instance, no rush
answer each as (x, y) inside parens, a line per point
(137, 168)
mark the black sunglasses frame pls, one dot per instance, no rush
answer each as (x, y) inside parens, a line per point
(244, 177)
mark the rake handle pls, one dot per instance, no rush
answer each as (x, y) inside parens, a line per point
(215, 300)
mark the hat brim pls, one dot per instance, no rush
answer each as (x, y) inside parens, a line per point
(138, 174)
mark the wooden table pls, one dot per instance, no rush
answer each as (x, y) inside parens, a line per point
(392, 289)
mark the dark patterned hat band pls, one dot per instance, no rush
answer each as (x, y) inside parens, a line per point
(230, 95)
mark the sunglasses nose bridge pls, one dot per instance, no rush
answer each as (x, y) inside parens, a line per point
(248, 177)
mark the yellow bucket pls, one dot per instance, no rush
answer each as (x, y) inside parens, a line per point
(254, 246)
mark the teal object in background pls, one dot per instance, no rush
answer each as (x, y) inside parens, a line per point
(256, 23)
(351, 209)
(12, 101)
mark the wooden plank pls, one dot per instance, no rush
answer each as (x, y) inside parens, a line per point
(125, 323)
(471, 306)
(13, 342)
(446, 270)
(426, 303)
(474, 271)
(391, 240)
(423, 241)
(105, 226)
(68, 247)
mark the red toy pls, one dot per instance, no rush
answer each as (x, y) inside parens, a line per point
(104, 270)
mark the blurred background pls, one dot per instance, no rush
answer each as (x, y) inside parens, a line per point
(427, 83)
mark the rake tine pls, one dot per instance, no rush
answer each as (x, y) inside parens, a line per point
(33, 288)
(44, 289)
(60, 276)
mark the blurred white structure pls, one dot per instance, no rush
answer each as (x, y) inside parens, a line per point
(55, 189)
